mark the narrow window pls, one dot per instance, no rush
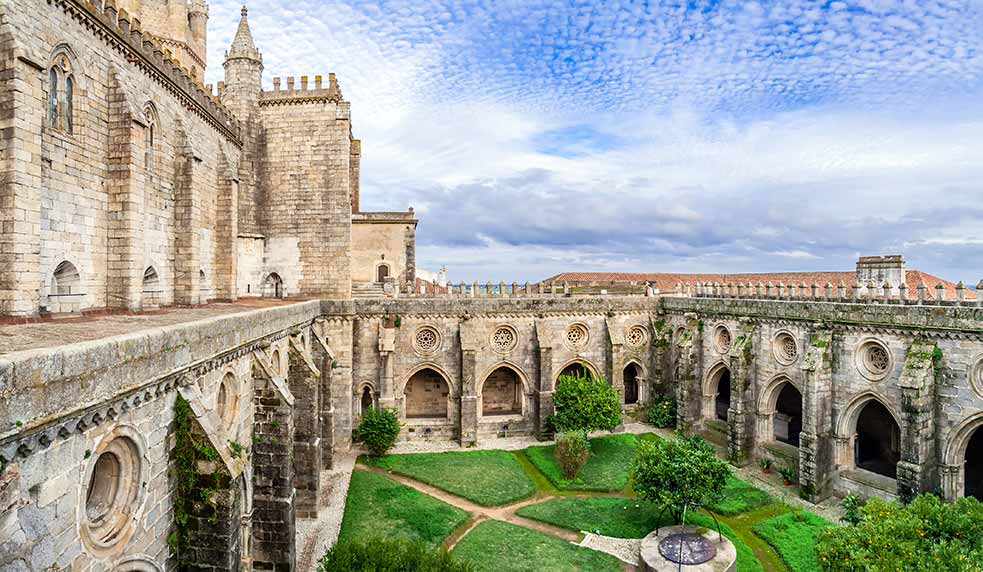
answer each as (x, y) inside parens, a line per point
(150, 147)
(69, 89)
(53, 97)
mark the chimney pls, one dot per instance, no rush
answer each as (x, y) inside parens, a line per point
(882, 269)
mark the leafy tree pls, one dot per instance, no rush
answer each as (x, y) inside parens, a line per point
(925, 535)
(678, 472)
(572, 451)
(379, 429)
(585, 404)
(388, 555)
(662, 412)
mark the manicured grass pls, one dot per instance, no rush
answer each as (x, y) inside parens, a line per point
(621, 518)
(380, 507)
(740, 497)
(489, 478)
(793, 536)
(495, 546)
(611, 516)
(606, 470)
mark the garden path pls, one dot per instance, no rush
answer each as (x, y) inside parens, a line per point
(316, 536)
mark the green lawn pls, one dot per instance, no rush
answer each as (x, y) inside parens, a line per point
(380, 507)
(740, 497)
(793, 536)
(626, 518)
(495, 546)
(489, 478)
(605, 471)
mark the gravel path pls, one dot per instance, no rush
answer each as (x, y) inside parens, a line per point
(315, 536)
(628, 550)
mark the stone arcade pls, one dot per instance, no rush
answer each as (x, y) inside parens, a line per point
(165, 220)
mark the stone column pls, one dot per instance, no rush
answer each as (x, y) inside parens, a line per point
(339, 383)
(815, 441)
(469, 400)
(187, 216)
(387, 345)
(305, 383)
(325, 361)
(688, 390)
(616, 339)
(917, 385)
(274, 528)
(740, 415)
(224, 275)
(544, 395)
(124, 265)
(660, 375)
(951, 485)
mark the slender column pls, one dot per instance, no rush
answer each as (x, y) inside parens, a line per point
(816, 439)
(469, 400)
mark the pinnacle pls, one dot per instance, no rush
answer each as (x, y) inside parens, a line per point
(243, 45)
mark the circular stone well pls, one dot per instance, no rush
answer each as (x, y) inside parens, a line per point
(721, 552)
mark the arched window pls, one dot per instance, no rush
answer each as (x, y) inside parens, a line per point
(877, 447)
(273, 286)
(61, 94)
(367, 400)
(787, 424)
(53, 98)
(426, 395)
(65, 280)
(382, 273)
(150, 136)
(501, 394)
(631, 384)
(151, 288)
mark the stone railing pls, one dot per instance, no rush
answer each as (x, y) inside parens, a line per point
(510, 290)
(854, 293)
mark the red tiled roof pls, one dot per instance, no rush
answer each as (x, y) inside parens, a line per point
(666, 281)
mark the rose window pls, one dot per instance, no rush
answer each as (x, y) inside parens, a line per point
(977, 377)
(874, 360)
(786, 349)
(722, 339)
(877, 359)
(427, 340)
(635, 336)
(577, 335)
(504, 339)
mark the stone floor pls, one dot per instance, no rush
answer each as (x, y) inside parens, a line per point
(49, 333)
(315, 536)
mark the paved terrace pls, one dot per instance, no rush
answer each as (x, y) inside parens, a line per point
(57, 332)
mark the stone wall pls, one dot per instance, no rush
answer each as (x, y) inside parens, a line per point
(381, 239)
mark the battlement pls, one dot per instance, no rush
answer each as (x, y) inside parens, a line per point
(304, 92)
(147, 54)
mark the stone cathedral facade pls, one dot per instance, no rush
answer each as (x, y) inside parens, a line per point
(188, 264)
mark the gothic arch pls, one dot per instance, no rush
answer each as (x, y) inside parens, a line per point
(418, 407)
(715, 402)
(454, 391)
(853, 443)
(642, 370)
(138, 563)
(518, 401)
(586, 364)
(847, 422)
(958, 440)
(523, 378)
(768, 398)
(787, 427)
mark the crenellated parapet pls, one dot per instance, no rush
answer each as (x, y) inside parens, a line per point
(123, 33)
(291, 92)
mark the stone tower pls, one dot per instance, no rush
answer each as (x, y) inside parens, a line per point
(243, 72)
(179, 26)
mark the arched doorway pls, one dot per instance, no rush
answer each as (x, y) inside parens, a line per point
(877, 447)
(787, 424)
(576, 369)
(381, 273)
(273, 286)
(501, 393)
(426, 395)
(721, 402)
(973, 466)
(65, 280)
(631, 375)
(366, 401)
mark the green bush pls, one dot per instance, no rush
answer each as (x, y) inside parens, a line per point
(851, 509)
(793, 536)
(925, 535)
(379, 429)
(585, 404)
(662, 412)
(678, 472)
(381, 555)
(572, 451)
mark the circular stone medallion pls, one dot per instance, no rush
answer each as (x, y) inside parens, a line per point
(687, 548)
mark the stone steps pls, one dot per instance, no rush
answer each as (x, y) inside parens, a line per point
(367, 291)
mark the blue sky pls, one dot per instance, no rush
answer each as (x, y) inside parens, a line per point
(538, 137)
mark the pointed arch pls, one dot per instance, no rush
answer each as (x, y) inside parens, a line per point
(427, 394)
(572, 365)
(503, 390)
(632, 376)
(870, 431)
(716, 392)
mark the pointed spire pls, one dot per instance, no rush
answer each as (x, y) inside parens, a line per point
(243, 45)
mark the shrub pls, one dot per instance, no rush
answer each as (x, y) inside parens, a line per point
(379, 555)
(379, 429)
(678, 472)
(585, 404)
(851, 506)
(572, 451)
(662, 412)
(787, 473)
(927, 534)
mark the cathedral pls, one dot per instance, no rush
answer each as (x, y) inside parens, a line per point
(195, 313)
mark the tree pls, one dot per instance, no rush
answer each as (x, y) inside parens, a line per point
(572, 451)
(585, 404)
(379, 430)
(925, 535)
(678, 472)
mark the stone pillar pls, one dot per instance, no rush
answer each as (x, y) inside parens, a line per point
(950, 483)
(688, 390)
(469, 399)
(616, 365)
(22, 97)
(544, 394)
(188, 218)
(305, 382)
(917, 385)
(387, 345)
(274, 528)
(124, 265)
(325, 361)
(740, 415)
(226, 235)
(660, 362)
(215, 526)
(815, 441)
(338, 382)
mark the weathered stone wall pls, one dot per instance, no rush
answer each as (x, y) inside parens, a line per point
(377, 241)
